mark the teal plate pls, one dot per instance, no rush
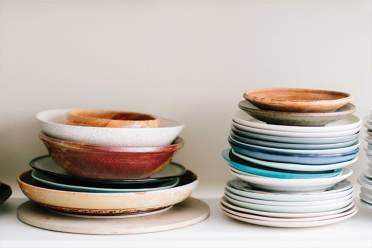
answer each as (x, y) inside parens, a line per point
(241, 165)
(67, 185)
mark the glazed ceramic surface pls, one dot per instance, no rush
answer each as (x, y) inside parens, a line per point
(244, 189)
(108, 118)
(242, 166)
(292, 185)
(295, 140)
(294, 166)
(295, 151)
(295, 146)
(52, 123)
(5, 192)
(225, 203)
(296, 119)
(101, 162)
(106, 203)
(298, 100)
(310, 134)
(48, 166)
(75, 186)
(297, 159)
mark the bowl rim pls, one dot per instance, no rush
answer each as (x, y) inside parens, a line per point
(73, 145)
(43, 117)
(346, 96)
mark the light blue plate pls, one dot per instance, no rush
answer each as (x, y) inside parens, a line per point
(46, 180)
(305, 159)
(298, 152)
(275, 173)
(295, 140)
(292, 145)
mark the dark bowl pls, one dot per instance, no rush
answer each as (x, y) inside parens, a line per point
(102, 162)
(5, 192)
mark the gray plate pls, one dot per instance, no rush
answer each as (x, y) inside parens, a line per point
(296, 119)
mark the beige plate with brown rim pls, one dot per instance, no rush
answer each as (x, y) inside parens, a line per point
(106, 203)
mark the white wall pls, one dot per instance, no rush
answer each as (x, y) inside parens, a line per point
(190, 60)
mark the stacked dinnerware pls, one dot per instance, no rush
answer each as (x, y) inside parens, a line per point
(365, 179)
(289, 150)
(107, 163)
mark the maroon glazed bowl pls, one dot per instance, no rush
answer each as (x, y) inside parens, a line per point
(102, 162)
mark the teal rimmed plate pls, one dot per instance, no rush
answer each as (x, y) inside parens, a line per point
(67, 185)
(238, 164)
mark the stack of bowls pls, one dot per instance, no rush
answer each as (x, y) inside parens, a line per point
(365, 179)
(106, 163)
(289, 150)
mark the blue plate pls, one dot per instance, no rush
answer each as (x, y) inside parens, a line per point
(241, 165)
(295, 140)
(296, 159)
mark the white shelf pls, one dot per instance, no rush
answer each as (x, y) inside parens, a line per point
(216, 231)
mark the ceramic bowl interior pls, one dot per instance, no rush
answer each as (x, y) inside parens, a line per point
(298, 100)
(99, 162)
(102, 118)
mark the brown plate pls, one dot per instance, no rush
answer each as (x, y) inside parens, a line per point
(298, 100)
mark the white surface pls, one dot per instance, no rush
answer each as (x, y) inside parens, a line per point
(217, 231)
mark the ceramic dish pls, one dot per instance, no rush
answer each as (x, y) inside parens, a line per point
(365, 182)
(298, 100)
(299, 204)
(238, 164)
(366, 205)
(310, 134)
(47, 165)
(295, 167)
(52, 123)
(265, 218)
(244, 189)
(296, 119)
(75, 186)
(295, 146)
(225, 203)
(5, 192)
(294, 151)
(295, 140)
(106, 203)
(297, 159)
(108, 118)
(101, 162)
(292, 185)
(291, 223)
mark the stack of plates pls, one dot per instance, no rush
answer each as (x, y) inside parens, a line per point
(106, 172)
(290, 176)
(366, 179)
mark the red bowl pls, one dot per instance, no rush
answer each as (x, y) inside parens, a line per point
(102, 162)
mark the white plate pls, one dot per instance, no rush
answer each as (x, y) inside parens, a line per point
(296, 151)
(348, 123)
(366, 205)
(290, 209)
(259, 217)
(242, 188)
(231, 195)
(295, 167)
(291, 224)
(290, 185)
(285, 215)
(366, 198)
(298, 134)
(293, 145)
(52, 123)
(365, 182)
(295, 140)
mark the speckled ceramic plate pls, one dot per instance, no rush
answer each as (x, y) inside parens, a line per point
(47, 165)
(106, 203)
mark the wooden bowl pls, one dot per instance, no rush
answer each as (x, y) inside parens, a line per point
(102, 162)
(102, 118)
(298, 100)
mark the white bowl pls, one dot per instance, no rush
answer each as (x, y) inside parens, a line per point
(52, 123)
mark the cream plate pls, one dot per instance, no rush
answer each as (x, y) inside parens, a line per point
(292, 185)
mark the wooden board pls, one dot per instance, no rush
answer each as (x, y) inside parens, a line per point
(187, 213)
